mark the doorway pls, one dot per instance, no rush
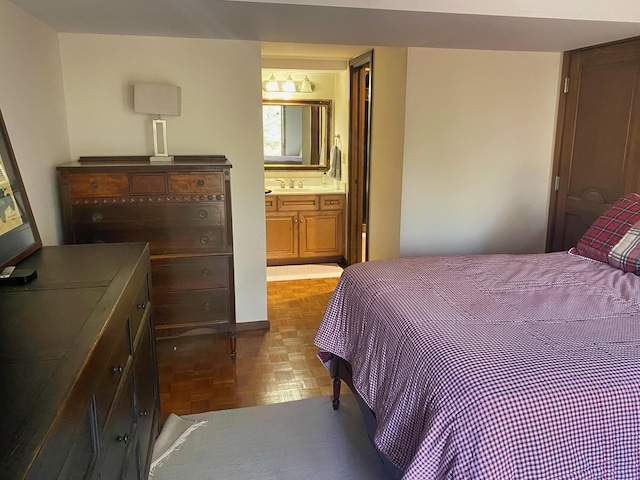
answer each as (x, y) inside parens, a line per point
(360, 69)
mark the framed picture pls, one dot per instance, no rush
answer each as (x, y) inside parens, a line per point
(19, 236)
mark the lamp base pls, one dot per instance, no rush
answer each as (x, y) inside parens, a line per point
(161, 159)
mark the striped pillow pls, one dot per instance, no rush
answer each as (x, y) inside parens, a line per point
(614, 238)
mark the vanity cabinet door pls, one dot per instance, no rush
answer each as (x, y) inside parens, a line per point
(282, 235)
(321, 233)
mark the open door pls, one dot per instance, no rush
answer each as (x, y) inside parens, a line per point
(359, 143)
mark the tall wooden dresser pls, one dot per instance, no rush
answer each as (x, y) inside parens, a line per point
(183, 209)
(79, 389)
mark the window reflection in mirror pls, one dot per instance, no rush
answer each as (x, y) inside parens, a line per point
(296, 133)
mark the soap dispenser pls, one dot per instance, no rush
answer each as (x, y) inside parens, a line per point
(324, 180)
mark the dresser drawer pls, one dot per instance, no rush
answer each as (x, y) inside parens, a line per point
(288, 203)
(98, 185)
(202, 307)
(173, 215)
(119, 436)
(161, 241)
(190, 273)
(331, 202)
(111, 376)
(199, 183)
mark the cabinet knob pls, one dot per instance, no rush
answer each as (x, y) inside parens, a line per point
(141, 306)
(124, 438)
(143, 413)
(205, 272)
(203, 214)
(93, 185)
(96, 217)
(118, 369)
(204, 239)
(206, 305)
(200, 182)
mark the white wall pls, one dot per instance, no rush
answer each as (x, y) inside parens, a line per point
(387, 150)
(479, 134)
(221, 114)
(32, 104)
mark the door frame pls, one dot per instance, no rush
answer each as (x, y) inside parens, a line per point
(361, 97)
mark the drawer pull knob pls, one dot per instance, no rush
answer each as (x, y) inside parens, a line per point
(204, 239)
(203, 214)
(206, 305)
(118, 369)
(141, 306)
(200, 182)
(205, 272)
(143, 413)
(94, 185)
(96, 217)
(124, 438)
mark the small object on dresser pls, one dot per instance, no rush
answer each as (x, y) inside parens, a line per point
(17, 276)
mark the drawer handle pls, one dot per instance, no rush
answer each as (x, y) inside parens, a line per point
(93, 184)
(143, 413)
(200, 182)
(203, 214)
(118, 369)
(205, 272)
(96, 217)
(141, 306)
(204, 239)
(124, 438)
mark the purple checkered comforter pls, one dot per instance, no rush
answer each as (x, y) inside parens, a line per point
(496, 366)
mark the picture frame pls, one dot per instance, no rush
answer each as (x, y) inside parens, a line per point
(19, 235)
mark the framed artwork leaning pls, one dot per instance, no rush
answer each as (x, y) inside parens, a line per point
(19, 235)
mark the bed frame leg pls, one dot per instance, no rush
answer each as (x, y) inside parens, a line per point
(336, 392)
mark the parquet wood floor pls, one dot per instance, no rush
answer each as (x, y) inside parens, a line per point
(197, 374)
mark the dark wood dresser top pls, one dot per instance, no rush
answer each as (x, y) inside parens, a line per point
(48, 328)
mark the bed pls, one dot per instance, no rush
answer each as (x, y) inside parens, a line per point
(497, 366)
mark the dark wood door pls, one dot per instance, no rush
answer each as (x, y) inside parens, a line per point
(599, 135)
(361, 69)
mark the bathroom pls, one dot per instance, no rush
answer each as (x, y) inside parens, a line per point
(305, 133)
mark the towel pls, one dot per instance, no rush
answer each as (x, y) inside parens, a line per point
(335, 161)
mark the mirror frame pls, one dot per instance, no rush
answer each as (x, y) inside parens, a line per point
(21, 241)
(304, 103)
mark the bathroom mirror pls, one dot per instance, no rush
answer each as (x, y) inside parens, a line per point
(296, 134)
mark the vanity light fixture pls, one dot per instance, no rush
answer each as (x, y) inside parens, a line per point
(272, 84)
(157, 100)
(305, 85)
(288, 86)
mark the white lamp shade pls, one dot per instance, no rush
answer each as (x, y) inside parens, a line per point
(156, 99)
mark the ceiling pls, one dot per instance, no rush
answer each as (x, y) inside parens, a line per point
(347, 30)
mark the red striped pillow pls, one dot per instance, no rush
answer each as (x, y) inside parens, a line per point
(614, 238)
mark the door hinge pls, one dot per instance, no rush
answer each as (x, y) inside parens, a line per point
(566, 85)
(557, 183)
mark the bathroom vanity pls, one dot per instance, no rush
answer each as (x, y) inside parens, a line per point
(304, 226)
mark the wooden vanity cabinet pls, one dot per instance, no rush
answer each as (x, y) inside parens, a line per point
(183, 209)
(304, 228)
(80, 384)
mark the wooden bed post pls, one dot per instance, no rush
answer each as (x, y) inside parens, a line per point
(335, 367)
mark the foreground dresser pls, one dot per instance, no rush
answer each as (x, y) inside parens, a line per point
(79, 391)
(183, 209)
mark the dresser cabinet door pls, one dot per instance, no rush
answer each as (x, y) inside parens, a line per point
(81, 455)
(145, 399)
(282, 235)
(321, 233)
(119, 436)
